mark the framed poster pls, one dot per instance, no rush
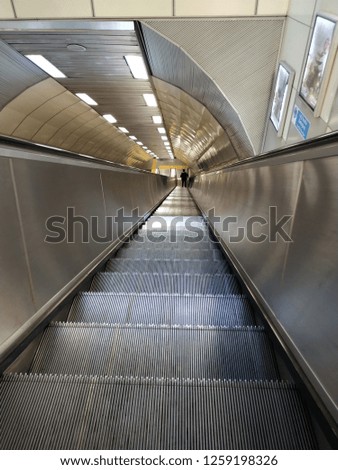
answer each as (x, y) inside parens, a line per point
(317, 63)
(281, 96)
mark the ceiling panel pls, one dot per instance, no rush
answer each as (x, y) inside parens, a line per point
(6, 9)
(215, 7)
(133, 8)
(48, 9)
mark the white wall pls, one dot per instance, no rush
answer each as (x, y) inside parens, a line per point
(296, 38)
(25, 9)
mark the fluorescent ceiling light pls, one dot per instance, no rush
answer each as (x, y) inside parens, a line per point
(137, 66)
(109, 118)
(167, 144)
(164, 137)
(47, 66)
(123, 129)
(157, 119)
(139, 142)
(161, 130)
(87, 99)
(132, 137)
(144, 147)
(150, 99)
(148, 151)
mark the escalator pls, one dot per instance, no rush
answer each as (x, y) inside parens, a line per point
(163, 352)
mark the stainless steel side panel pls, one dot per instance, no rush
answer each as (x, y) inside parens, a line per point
(297, 280)
(45, 190)
(16, 303)
(34, 274)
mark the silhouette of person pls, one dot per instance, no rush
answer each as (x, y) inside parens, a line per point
(184, 176)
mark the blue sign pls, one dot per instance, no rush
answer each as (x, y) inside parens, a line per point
(301, 123)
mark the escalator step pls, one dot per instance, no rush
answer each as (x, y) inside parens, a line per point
(64, 412)
(155, 351)
(182, 230)
(173, 236)
(177, 211)
(230, 310)
(172, 253)
(166, 243)
(167, 266)
(163, 282)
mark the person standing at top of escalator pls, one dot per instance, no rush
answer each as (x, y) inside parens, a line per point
(184, 177)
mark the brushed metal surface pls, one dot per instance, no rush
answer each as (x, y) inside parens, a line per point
(47, 188)
(297, 281)
(114, 412)
(16, 305)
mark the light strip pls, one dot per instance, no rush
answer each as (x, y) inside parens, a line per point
(132, 137)
(109, 118)
(47, 66)
(137, 66)
(124, 130)
(87, 99)
(139, 143)
(164, 137)
(161, 130)
(157, 119)
(150, 99)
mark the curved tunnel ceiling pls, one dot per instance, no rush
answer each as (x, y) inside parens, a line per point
(45, 110)
(206, 130)
(226, 64)
(198, 140)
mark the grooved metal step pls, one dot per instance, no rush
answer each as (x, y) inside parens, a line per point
(162, 282)
(188, 229)
(183, 210)
(170, 253)
(170, 309)
(167, 266)
(64, 412)
(175, 235)
(155, 242)
(175, 221)
(155, 351)
(146, 358)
